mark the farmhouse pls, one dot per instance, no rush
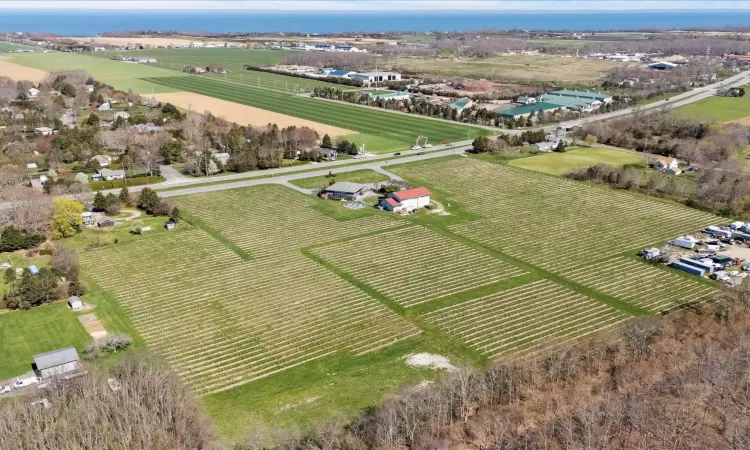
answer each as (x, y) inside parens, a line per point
(406, 201)
(666, 163)
(328, 154)
(32, 93)
(88, 218)
(104, 107)
(75, 303)
(109, 175)
(343, 190)
(57, 362)
(546, 146)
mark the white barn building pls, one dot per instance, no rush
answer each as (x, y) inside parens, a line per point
(405, 201)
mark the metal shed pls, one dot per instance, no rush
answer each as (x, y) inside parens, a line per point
(56, 362)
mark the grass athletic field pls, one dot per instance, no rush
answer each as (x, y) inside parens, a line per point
(280, 307)
(561, 163)
(234, 60)
(383, 131)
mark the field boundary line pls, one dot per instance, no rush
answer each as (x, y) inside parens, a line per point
(225, 241)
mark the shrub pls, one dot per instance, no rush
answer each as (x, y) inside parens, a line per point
(114, 184)
(110, 343)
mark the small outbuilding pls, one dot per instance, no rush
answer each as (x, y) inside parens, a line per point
(33, 269)
(75, 303)
(106, 223)
(56, 363)
(170, 225)
(343, 190)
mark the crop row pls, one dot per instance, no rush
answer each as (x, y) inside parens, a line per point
(415, 265)
(270, 220)
(395, 127)
(648, 287)
(222, 324)
(523, 316)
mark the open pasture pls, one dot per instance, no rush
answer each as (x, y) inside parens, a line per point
(511, 68)
(559, 225)
(222, 322)
(9, 47)
(399, 130)
(430, 266)
(233, 59)
(720, 109)
(120, 75)
(268, 220)
(521, 317)
(578, 158)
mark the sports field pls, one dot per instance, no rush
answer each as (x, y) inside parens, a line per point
(720, 109)
(384, 131)
(561, 163)
(234, 60)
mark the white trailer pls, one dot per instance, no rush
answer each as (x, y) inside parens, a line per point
(683, 242)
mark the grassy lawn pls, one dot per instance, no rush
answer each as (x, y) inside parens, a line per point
(383, 130)
(720, 109)
(24, 334)
(120, 75)
(562, 163)
(9, 47)
(365, 176)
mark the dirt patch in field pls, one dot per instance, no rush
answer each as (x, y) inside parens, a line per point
(243, 114)
(742, 121)
(92, 325)
(430, 361)
(21, 73)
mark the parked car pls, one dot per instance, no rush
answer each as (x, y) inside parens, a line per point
(416, 147)
(428, 146)
(397, 154)
(449, 144)
(4, 389)
(24, 382)
(421, 153)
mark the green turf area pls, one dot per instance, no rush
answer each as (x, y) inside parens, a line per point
(577, 158)
(9, 47)
(234, 60)
(384, 131)
(365, 176)
(720, 109)
(24, 334)
(120, 75)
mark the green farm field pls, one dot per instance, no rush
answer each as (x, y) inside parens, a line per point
(339, 298)
(384, 131)
(117, 74)
(364, 176)
(233, 59)
(576, 158)
(9, 47)
(720, 109)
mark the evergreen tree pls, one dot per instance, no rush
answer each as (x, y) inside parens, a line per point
(124, 196)
(326, 143)
(100, 202)
(92, 120)
(174, 215)
(147, 199)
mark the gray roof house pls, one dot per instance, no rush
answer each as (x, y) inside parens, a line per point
(344, 190)
(57, 362)
(109, 174)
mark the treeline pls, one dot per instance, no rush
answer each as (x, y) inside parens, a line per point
(336, 80)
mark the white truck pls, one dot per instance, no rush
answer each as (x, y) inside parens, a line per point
(24, 382)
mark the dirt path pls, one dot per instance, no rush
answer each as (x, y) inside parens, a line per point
(243, 114)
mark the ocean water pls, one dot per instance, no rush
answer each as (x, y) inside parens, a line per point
(87, 23)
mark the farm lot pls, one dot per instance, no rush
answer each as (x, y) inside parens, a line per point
(521, 317)
(365, 176)
(18, 72)
(511, 68)
(226, 328)
(561, 226)
(384, 131)
(421, 264)
(233, 59)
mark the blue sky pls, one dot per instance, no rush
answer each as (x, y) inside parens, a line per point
(382, 5)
